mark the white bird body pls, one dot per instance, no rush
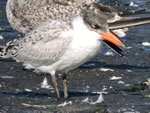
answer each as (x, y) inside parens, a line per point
(85, 44)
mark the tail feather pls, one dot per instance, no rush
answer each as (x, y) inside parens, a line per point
(129, 22)
(125, 21)
(129, 12)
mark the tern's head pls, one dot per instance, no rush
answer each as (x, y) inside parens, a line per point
(96, 22)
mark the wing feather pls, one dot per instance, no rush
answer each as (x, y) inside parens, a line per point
(44, 45)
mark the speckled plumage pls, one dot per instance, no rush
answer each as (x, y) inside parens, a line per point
(24, 15)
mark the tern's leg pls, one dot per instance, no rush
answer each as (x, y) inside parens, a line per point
(55, 85)
(64, 78)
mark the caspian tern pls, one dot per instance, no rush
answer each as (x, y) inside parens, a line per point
(62, 45)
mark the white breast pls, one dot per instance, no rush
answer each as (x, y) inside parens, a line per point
(84, 46)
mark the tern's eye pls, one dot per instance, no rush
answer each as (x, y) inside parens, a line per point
(95, 26)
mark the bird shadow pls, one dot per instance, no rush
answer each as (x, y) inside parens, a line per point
(46, 95)
(96, 64)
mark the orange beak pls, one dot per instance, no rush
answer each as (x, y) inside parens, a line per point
(112, 38)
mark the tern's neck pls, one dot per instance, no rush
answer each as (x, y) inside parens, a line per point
(79, 24)
(81, 30)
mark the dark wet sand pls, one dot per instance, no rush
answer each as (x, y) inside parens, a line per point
(21, 92)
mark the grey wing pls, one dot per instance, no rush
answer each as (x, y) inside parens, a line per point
(43, 46)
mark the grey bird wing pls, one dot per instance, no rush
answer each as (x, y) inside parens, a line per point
(43, 46)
